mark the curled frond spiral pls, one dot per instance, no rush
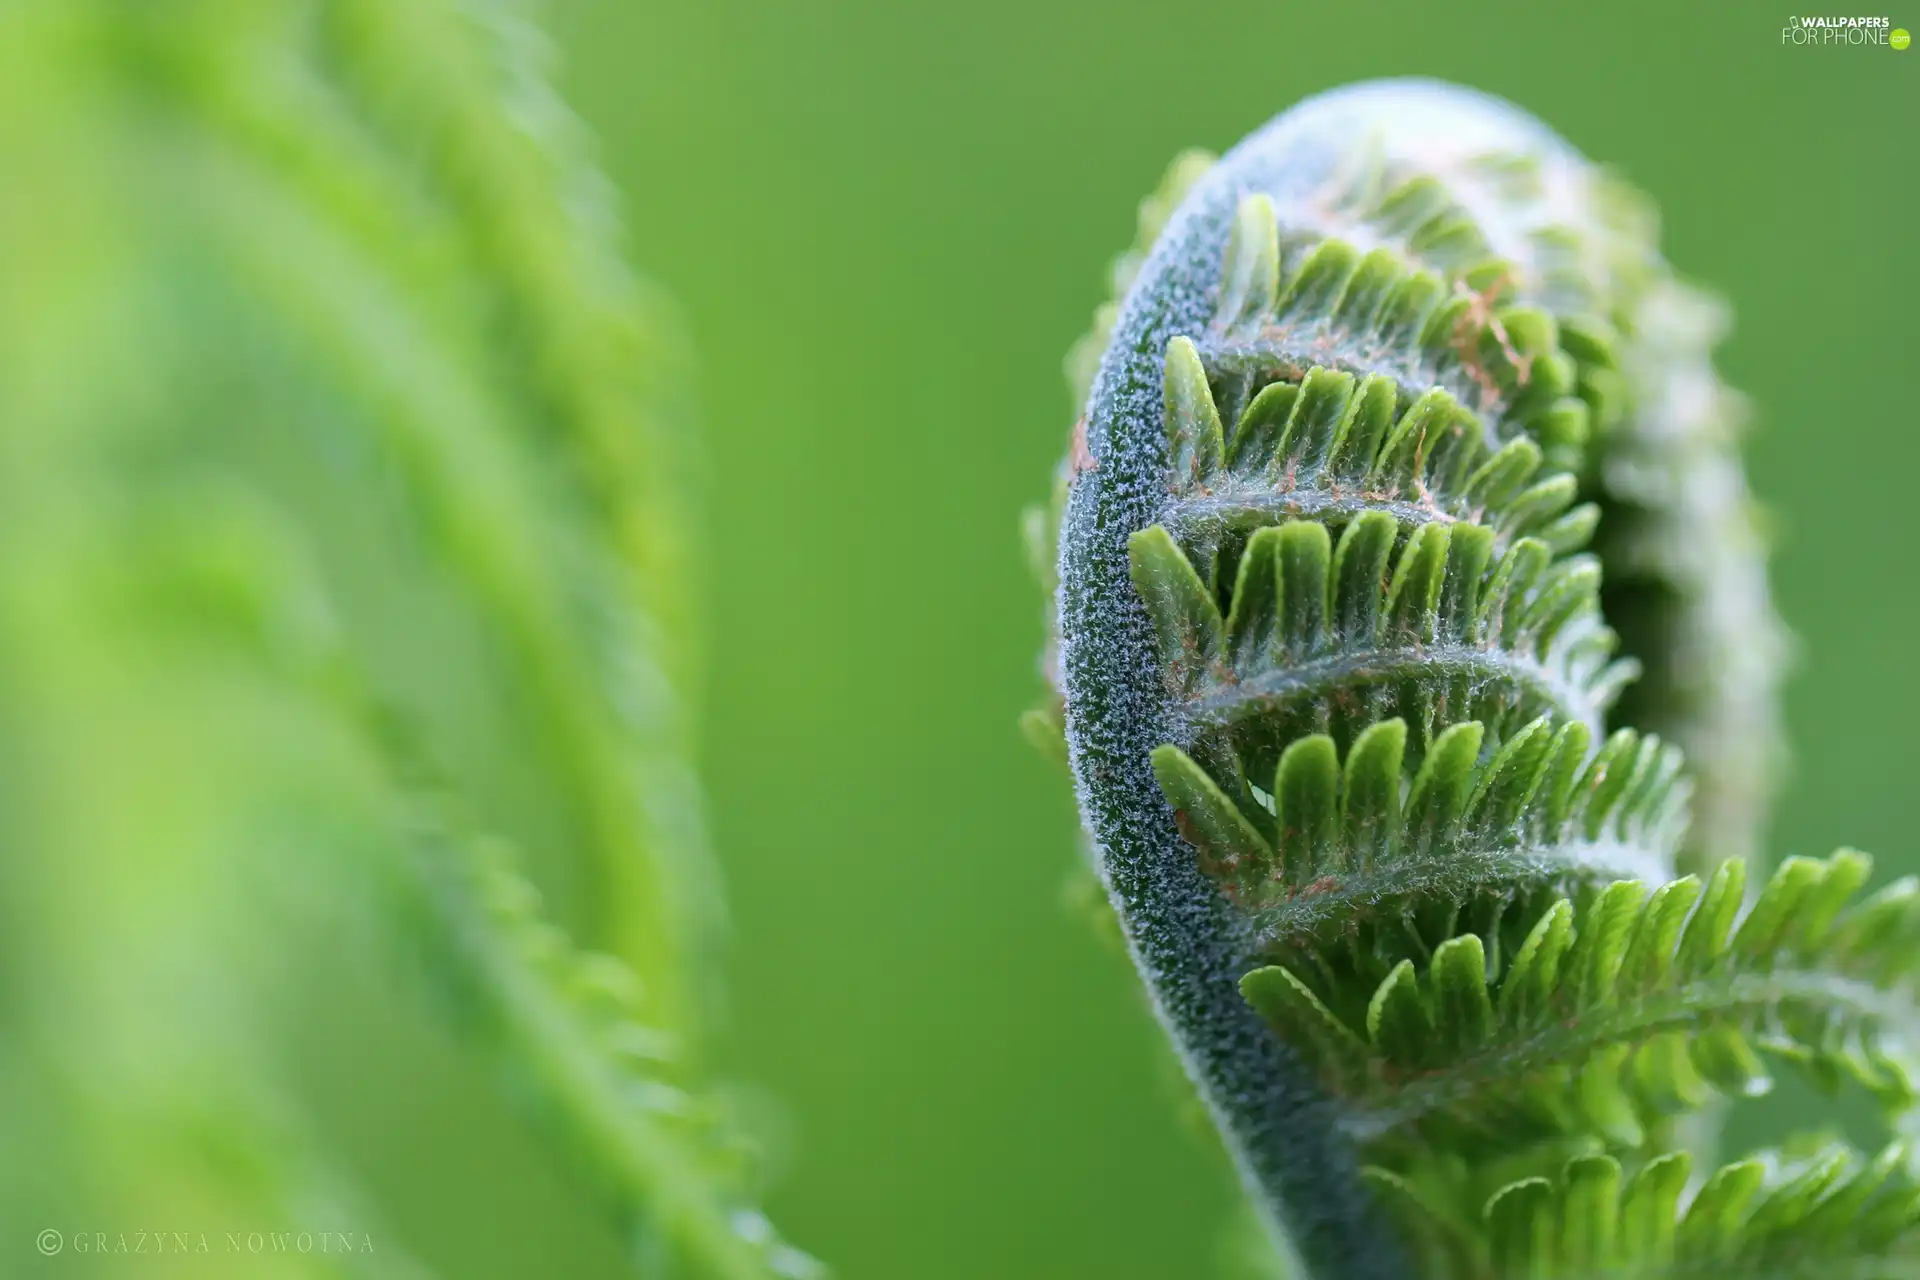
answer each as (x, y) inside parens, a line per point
(1415, 664)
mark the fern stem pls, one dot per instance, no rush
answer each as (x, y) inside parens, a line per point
(1278, 1125)
(1307, 681)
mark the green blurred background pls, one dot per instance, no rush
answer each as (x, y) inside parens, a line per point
(219, 476)
(885, 224)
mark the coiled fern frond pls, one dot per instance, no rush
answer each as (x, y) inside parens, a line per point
(1416, 668)
(346, 642)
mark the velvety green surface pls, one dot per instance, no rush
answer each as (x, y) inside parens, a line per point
(885, 224)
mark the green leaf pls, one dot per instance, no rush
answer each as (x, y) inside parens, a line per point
(1403, 317)
(1539, 505)
(1520, 1230)
(1208, 819)
(1306, 555)
(1370, 794)
(1502, 602)
(1590, 1215)
(1559, 782)
(1409, 446)
(1368, 420)
(1463, 1008)
(1606, 779)
(1705, 937)
(1306, 793)
(1657, 934)
(1445, 781)
(1360, 573)
(1846, 872)
(1320, 281)
(1318, 412)
(1650, 1208)
(1527, 992)
(1397, 1020)
(1373, 283)
(1498, 479)
(1784, 896)
(1602, 943)
(1713, 1219)
(1250, 275)
(1571, 531)
(1192, 421)
(1253, 618)
(1256, 438)
(1287, 1002)
(1413, 598)
(1469, 552)
(1508, 784)
(1188, 622)
(1609, 988)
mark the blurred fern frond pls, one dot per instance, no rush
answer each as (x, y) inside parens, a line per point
(344, 578)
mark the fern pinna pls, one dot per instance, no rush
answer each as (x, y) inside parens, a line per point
(1403, 480)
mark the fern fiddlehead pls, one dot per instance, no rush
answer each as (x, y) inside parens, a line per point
(1396, 412)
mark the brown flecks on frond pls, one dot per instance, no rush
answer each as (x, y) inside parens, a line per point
(1478, 318)
(1080, 459)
